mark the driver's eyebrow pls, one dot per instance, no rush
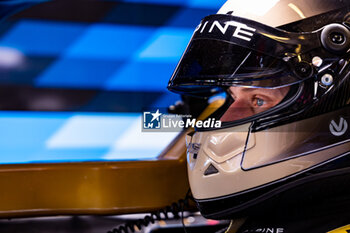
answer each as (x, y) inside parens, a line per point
(249, 89)
(266, 92)
(256, 89)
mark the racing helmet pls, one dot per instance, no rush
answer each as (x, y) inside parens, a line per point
(293, 152)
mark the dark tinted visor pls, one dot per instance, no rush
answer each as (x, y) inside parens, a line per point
(230, 51)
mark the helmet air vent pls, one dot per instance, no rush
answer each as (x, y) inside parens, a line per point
(211, 170)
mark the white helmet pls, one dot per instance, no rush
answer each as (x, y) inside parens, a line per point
(298, 50)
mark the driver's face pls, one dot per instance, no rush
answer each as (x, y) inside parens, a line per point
(250, 101)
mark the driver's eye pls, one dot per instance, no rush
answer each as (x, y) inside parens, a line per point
(260, 102)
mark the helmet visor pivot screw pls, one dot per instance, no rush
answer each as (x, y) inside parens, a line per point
(317, 61)
(327, 79)
(337, 38)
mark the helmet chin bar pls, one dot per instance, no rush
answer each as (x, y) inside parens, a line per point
(268, 166)
(319, 190)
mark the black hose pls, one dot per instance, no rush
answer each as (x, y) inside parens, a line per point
(163, 214)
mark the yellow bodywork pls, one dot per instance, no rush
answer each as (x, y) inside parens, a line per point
(344, 229)
(96, 187)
